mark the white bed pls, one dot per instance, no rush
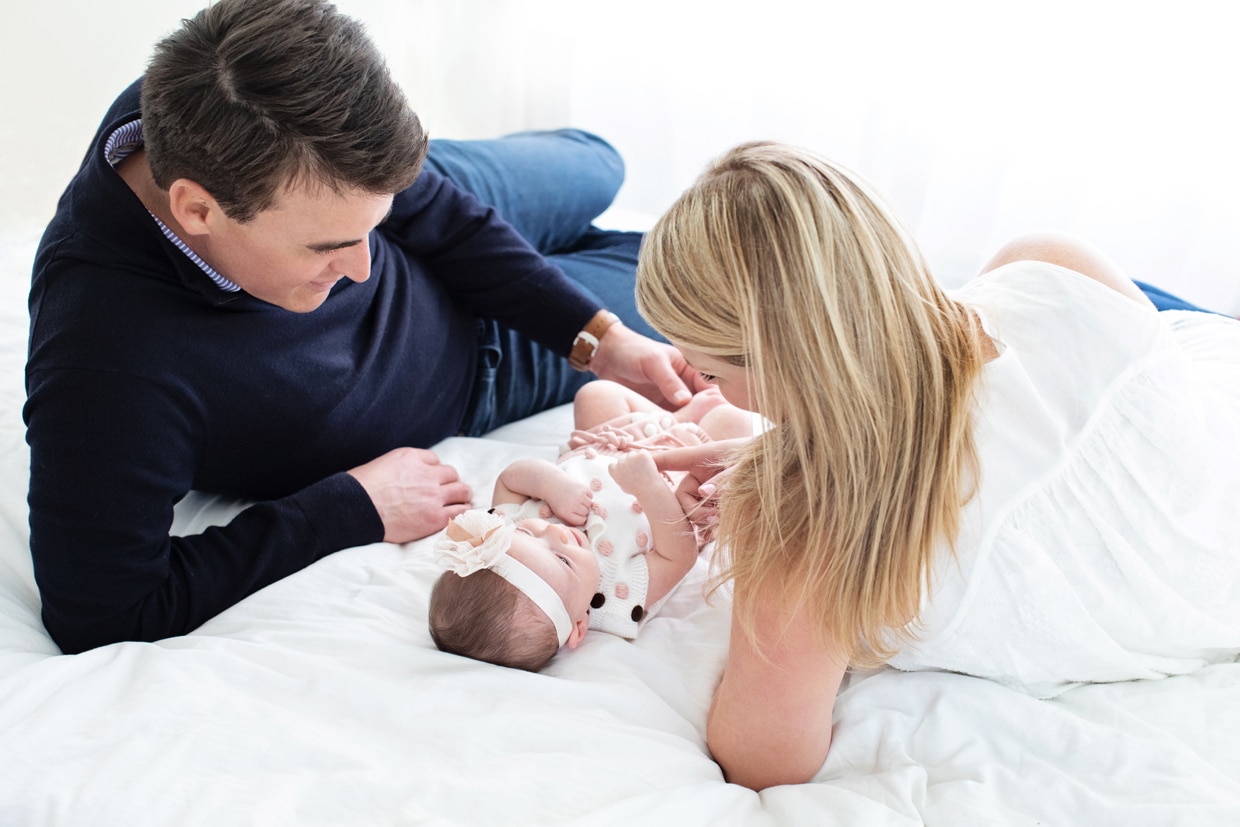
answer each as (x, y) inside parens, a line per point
(322, 701)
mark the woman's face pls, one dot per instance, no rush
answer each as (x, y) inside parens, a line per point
(732, 380)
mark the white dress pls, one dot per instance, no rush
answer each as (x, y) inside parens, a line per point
(1104, 540)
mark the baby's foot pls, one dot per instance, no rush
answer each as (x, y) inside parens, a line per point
(700, 404)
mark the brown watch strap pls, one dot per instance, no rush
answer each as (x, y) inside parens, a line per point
(586, 343)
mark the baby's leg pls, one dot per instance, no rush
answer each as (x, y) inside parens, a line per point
(602, 401)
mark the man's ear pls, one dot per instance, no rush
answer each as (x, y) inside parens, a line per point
(192, 206)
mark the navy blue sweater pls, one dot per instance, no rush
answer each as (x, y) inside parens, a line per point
(145, 381)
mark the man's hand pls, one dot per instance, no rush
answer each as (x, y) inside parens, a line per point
(655, 370)
(414, 494)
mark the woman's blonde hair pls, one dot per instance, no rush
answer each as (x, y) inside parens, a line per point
(777, 260)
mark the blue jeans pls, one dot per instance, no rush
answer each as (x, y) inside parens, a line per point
(550, 186)
(1166, 301)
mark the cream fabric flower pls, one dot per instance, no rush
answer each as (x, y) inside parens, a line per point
(480, 539)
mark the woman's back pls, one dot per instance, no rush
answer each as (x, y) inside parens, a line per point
(1102, 543)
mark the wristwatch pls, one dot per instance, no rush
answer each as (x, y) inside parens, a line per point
(586, 343)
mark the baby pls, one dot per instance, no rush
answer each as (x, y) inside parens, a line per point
(596, 540)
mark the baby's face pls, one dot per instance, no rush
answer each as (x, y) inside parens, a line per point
(560, 555)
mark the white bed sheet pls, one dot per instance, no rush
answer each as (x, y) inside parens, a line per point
(322, 701)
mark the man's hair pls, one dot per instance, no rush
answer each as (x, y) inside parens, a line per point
(252, 96)
(484, 617)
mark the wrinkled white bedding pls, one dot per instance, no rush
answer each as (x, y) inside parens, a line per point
(322, 701)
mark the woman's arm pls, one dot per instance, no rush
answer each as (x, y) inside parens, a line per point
(696, 493)
(770, 721)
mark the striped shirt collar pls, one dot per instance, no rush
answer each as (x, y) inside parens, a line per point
(119, 146)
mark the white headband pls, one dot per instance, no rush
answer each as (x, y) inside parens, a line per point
(490, 536)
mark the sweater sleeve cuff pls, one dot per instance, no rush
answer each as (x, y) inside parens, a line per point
(339, 512)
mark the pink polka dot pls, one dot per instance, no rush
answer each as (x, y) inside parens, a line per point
(643, 539)
(544, 511)
(622, 591)
(596, 484)
(605, 548)
(598, 509)
(636, 506)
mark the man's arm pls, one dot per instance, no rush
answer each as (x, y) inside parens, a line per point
(110, 456)
(492, 270)
(486, 264)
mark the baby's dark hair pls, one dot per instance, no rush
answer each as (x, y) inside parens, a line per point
(484, 617)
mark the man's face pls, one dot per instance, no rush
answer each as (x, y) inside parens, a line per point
(292, 254)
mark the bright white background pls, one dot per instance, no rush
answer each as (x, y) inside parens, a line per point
(1113, 120)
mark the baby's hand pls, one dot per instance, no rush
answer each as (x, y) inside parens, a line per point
(570, 501)
(635, 470)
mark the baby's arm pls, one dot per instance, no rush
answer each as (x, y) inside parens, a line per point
(539, 479)
(675, 547)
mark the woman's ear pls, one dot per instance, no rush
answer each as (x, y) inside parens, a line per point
(192, 207)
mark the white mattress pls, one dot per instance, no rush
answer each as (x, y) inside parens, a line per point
(322, 701)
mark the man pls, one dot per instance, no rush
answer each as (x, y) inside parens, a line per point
(253, 287)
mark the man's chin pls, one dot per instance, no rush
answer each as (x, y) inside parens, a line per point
(303, 303)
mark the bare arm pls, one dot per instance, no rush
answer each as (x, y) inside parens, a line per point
(770, 721)
(675, 547)
(525, 479)
(1073, 253)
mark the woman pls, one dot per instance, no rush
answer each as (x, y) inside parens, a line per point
(1030, 481)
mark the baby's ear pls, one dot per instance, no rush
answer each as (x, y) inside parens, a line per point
(578, 632)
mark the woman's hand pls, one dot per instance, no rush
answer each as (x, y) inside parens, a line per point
(704, 468)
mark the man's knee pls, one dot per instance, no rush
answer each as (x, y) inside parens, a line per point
(592, 160)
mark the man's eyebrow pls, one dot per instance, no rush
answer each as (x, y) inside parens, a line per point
(328, 246)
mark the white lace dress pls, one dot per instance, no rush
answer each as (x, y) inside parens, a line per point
(1104, 540)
